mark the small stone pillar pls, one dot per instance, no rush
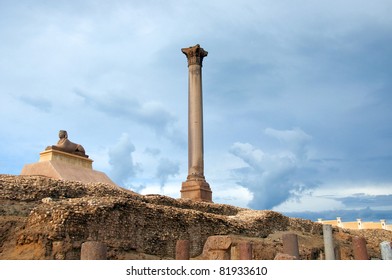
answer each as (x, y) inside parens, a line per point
(328, 242)
(245, 250)
(93, 250)
(386, 250)
(182, 250)
(290, 244)
(195, 187)
(359, 248)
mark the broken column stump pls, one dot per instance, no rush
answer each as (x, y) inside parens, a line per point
(290, 244)
(329, 247)
(359, 248)
(386, 250)
(93, 250)
(245, 250)
(182, 250)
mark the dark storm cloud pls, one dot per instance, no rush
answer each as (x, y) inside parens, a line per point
(364, 200)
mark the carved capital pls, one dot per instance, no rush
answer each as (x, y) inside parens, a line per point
(194, 55)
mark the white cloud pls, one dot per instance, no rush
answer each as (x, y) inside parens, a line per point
(274, 177)
(166, 168)
(122, 164)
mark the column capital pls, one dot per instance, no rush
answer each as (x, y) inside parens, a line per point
(194, 54)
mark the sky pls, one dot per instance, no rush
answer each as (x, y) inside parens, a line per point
(297, 96)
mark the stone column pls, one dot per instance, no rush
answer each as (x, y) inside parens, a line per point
(93, 250)
(386, 250)
(245, 250)
(182, 250)
(328, 242)
(290, 244)
(359, 248)
(195, 187)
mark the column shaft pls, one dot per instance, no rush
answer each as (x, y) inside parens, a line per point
(328, 242)
(195, 124)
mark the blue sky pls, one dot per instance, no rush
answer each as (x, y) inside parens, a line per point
(297, 95)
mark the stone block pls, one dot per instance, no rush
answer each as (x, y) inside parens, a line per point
(217, 247)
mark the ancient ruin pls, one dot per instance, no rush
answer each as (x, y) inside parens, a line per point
(196, 186)
(46, 218)
(67, 161)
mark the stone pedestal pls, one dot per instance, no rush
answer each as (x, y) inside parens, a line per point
(65, 166)
(196, 190)
(195, 187)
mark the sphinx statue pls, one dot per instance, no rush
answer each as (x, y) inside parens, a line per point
(67, 146)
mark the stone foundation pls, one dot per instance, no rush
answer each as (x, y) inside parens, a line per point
(65, 166)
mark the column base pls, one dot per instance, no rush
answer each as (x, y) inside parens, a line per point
(198, 190)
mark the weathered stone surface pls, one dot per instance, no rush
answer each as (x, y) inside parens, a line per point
(182, 250)
(217, 248)
(44, 218)
(93, 250)
(359, 248)
(329, 247)
(386, 250)
(282, 256)
(245, 251)
(290, 244)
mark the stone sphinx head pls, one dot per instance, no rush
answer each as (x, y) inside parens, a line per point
(63, 134)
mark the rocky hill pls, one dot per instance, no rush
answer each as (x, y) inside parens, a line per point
(43, 218)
